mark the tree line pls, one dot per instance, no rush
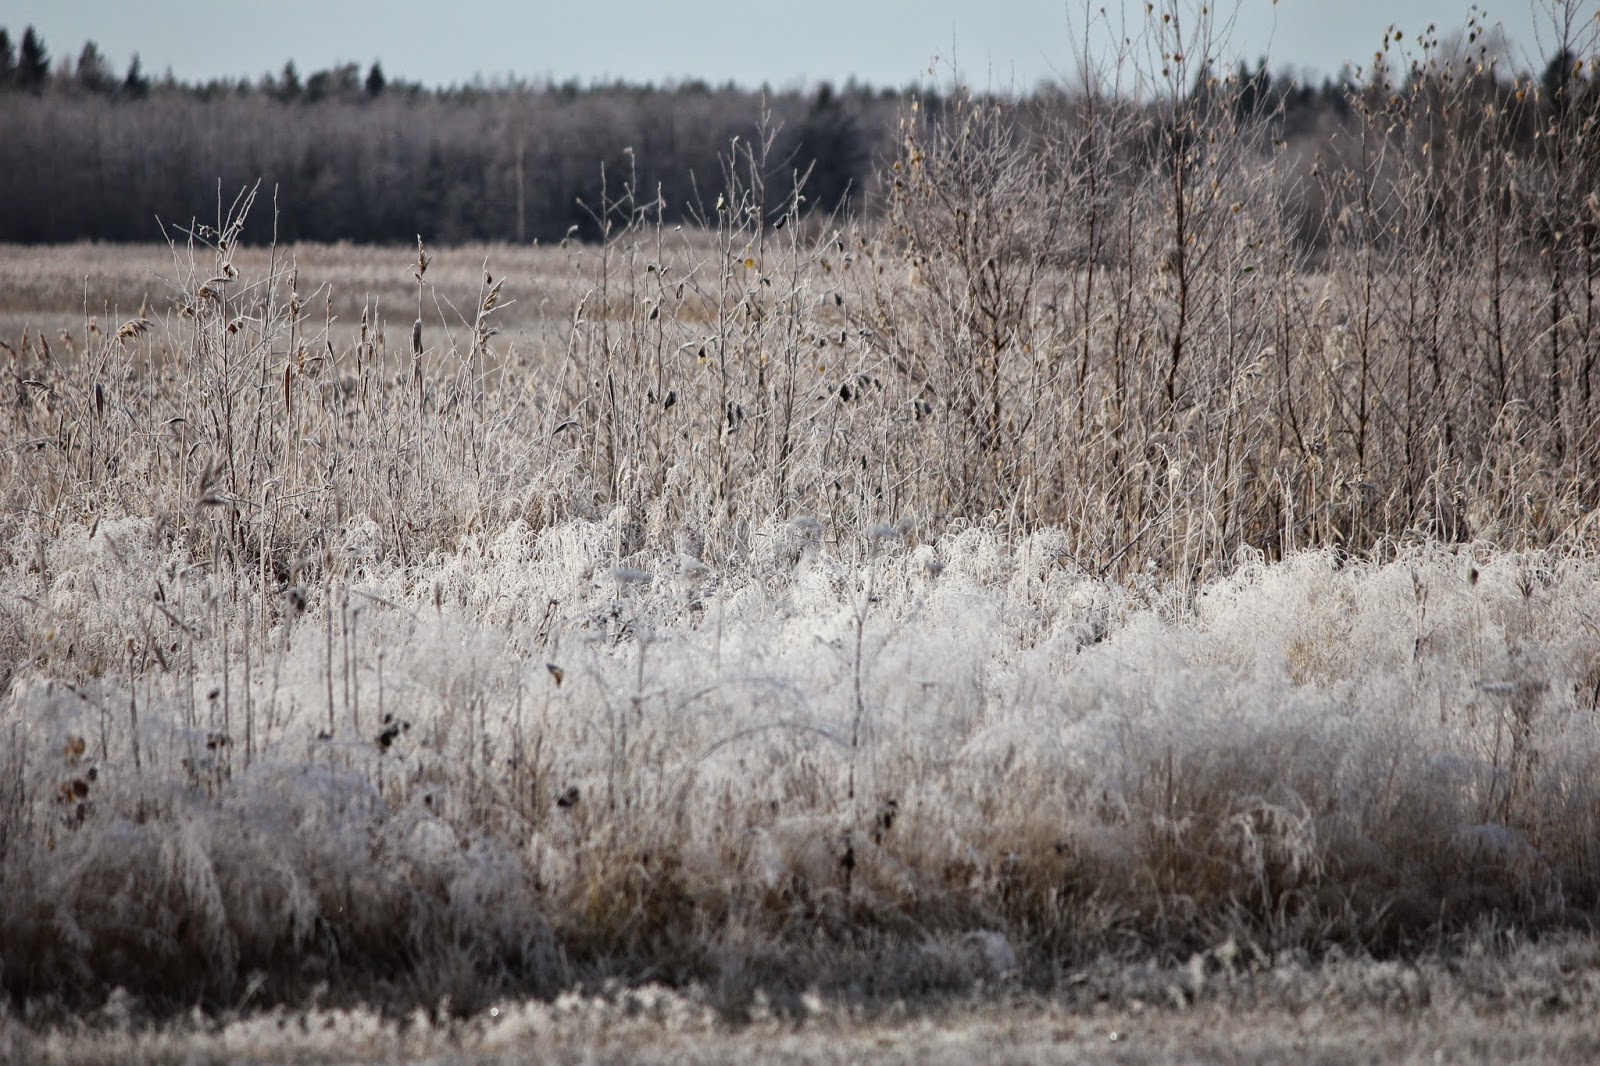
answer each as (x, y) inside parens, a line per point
(353, 154)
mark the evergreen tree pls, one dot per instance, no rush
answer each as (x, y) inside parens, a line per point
(335, 82)
(831, 143)
(1558, 81)
(289, 87)
(1254, 91)
(8, 61)
(136, 85)
(375, 80)
(93, 73)
(33, 66)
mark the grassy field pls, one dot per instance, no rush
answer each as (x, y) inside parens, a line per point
(1066, 589)
(59, 288)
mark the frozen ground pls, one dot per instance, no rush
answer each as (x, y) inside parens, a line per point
(1533, 1006)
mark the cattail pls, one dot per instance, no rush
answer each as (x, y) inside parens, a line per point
(423, 259)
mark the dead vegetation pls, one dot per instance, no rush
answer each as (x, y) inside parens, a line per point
(1075, 564)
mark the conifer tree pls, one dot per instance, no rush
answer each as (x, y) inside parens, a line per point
(8, 61)
(33, 65)
(136, 86)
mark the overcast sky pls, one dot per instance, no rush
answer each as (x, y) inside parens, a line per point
(997, 43)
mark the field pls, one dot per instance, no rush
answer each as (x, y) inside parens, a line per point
(55, 288)
(1066, 604)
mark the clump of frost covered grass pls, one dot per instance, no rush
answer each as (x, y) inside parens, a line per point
(519, 765)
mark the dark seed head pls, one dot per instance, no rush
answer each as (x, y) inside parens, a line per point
(887, 814)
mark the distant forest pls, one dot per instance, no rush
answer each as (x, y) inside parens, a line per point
(355, 155)
(352, 154)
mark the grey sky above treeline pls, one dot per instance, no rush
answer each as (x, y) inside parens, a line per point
(999, 44)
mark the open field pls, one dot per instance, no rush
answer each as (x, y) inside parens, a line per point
(58, 287)
(1065, 594)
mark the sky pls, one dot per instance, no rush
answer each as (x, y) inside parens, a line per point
(997, 44)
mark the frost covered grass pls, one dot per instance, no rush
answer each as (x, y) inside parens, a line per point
(519, 766)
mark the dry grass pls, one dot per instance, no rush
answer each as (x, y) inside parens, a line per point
(874, 608)
(47, 288)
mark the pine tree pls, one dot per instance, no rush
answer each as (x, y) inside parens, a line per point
(375, 80)
(136, 86)
(8, 61)
(1558, 79)
(93, 73)
(289, 87)
(831, 143)
(33, 67)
